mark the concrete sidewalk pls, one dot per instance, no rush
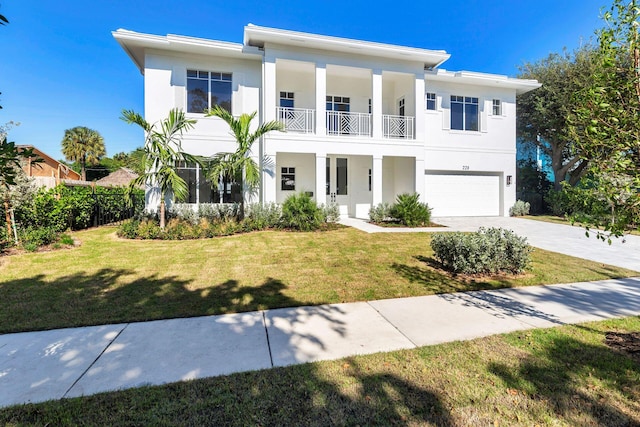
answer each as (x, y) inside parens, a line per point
(38, 366)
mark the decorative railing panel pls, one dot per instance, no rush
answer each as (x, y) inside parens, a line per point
(344, 123)
(297, 119)
(397, 127)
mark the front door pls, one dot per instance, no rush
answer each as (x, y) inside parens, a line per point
(337, 182)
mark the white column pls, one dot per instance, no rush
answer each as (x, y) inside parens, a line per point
(269, 175)
(376, 175)
(419, 107)
(321, 179)
(420, 189)
(321, 99)
(269, 89)
(376, 103)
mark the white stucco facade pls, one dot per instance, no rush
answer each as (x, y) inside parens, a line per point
(365, 121)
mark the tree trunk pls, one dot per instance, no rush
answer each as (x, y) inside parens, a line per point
(83, 171)
(162, 209)
(7, 215)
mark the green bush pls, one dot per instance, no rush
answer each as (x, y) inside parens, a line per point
(380, 213)
(300, 212)
(330, 212)
(218, 211)
(32, 238)
(520, 208)
(409, 211)
(148, 229)
(262, 216)
(129, 229)
(487, 251)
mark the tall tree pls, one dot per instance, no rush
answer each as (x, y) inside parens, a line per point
(239, 165)
(162, 152)
(83, 145)
(542, 114)
(606, 120)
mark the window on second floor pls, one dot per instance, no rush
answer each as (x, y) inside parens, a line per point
(338, 103)
(430, 100)
(464, 113)
(286, 99)
(497, 107)
(207, 89)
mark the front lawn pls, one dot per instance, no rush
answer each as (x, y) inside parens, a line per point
(113, 280)
(565, 376)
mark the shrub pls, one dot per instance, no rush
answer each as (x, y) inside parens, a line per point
(32, 238)
(300, 212)
(183, 211)
(148, 229)
(487, 251)
(129, 229)
(380, 213)
(218, 211)
(180, 229)
(520, 208)
(259, 217)
(65, 239)
(409, 211)
(330, 212)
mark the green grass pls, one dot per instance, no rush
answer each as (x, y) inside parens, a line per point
(112, 280)
(562, 220)
(563, 376)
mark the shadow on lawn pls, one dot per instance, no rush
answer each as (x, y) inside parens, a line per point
(81, 299)
(309, 395)
(571, 378)
(428, 275)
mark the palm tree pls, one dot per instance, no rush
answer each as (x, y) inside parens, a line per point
(240, 165)
(83, 145)
(162, 151)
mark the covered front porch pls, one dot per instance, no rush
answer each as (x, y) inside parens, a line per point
(353, 182)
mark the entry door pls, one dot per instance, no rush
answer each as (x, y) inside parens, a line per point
(338, 182)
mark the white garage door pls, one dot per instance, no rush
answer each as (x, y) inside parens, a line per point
(463, 195)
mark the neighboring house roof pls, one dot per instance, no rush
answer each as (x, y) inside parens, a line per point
(65, 172)
(121, 177)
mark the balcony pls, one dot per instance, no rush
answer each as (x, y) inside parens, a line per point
(299, 120)
(344, 123)
(397, 127)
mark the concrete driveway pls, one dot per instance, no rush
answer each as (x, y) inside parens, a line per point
(565, 239)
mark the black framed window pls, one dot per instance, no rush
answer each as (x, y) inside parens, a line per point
(497, 107)
(464, 113)
(430, 99)
(206, 89)
(288, 179)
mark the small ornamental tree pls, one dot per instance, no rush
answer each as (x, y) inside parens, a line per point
(10, 159)
(162, 152)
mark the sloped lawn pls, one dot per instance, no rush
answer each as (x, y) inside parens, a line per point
(111, 280)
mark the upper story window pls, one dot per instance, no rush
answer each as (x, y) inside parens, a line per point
(430, 100)
(464, 113)
(401, 107)
(207, 89)
(497, 107)
(286, 99)
(338, 103)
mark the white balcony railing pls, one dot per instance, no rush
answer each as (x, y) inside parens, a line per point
(297, 119)
(343, 123)
(397, 127)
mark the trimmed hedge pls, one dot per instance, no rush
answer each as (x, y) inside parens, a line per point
(487, 251)
(407, 210)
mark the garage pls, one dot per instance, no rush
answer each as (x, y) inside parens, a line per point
(463, 194)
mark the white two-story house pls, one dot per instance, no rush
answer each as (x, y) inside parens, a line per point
(364, 121)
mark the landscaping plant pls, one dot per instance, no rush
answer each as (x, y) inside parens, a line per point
(300, 212)
(487, 251)
(520, 208)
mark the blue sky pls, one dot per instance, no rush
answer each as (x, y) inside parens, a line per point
(62, 68)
